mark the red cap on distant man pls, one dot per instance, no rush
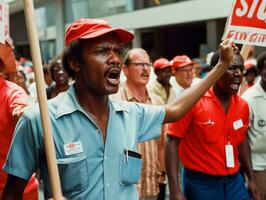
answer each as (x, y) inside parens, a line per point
(86, 28)
(161, 63)
(250, 63)
(181, 61)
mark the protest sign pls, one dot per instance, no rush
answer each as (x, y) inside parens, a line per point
(247, 22)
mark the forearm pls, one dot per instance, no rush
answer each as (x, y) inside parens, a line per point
(171, 163)
(245, 159)
(14, 188)
(184, 102)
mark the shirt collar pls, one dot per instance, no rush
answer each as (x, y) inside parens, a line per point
(210, 93)
(130, 96)
(259, 92)
(67, 103)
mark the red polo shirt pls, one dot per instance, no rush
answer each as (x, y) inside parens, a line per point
(206, 129)
(11, 95)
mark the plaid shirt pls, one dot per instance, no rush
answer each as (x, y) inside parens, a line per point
(148, 185)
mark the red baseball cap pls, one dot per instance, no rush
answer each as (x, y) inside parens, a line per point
(181, 61)
(86, 28)
(250, 63)
(161, 63)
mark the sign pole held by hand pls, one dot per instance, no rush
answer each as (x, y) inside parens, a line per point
(46, 123)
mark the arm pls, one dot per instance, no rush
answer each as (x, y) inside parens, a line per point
(14, 188)
(245, 160)
(161, 151)
(183, 103)
(171, 163)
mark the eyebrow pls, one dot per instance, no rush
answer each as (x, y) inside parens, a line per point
(108, 46)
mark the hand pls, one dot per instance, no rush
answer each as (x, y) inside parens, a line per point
(17, 112)
(227, 51)
(253, 190)
(178, 196)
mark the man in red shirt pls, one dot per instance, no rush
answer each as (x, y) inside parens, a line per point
(211, 141)
(13, 99)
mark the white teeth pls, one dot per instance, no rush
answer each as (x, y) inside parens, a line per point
(234, 86)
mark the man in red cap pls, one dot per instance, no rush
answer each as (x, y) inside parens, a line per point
(182, 67)
(95, 138)
(13, 99)
(161, 86)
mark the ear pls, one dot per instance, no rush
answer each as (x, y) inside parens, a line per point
(173, 72)
(125, 70)
(74, 65)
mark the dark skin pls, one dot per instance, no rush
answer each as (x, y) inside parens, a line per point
(98, 76)
(163, 77)
(91, 91)
(227, 86)
(61, 80)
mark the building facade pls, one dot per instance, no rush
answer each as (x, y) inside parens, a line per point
(162, 27)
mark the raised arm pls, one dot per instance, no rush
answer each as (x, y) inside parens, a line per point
(184, 102)
(14, 188)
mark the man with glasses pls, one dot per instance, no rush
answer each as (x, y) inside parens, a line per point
(182, 69)
(137, 67)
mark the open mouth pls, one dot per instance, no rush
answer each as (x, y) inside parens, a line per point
(235, 85)
(113, 76)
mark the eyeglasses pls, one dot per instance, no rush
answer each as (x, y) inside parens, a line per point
(141, 65)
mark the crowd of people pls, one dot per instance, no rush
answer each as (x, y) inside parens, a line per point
(196, 132)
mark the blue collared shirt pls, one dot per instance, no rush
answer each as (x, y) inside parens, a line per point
(88, 168)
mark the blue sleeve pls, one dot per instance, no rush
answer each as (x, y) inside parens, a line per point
(23, 157)
(150, 121)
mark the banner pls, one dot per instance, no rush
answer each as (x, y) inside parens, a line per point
(247, 22)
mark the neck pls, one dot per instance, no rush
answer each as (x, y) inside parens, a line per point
(91, 101)
(63, 87)
(220, 94)
(164, 84)
(139, 91)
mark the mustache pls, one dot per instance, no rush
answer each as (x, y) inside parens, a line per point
(145, 74)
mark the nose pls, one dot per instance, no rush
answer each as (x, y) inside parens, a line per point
(237, 72)
(114, 59)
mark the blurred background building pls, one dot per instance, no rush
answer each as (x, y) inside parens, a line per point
(162, 27)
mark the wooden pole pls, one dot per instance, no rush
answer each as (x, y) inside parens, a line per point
(46, 123)
(245, 51)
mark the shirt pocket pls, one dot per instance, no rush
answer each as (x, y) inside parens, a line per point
(129, 169)
(73, 173)
(208, 131)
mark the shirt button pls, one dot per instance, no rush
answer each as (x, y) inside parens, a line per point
(105, 157)
(107, 184)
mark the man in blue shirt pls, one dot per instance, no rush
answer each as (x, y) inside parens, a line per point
(95, 137)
